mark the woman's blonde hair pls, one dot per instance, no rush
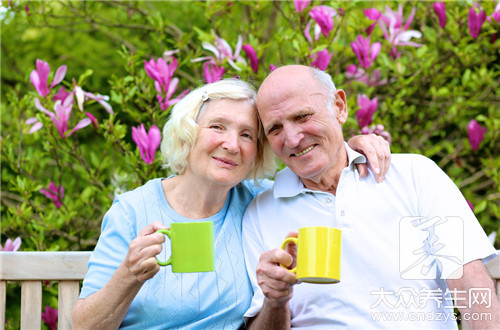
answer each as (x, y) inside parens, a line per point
(181, 130)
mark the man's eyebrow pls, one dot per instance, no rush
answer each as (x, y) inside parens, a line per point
(271, 125)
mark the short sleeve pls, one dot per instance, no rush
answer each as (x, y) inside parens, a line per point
(438, 196)
(110, 251)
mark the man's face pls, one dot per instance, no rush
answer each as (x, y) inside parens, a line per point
(304, 133)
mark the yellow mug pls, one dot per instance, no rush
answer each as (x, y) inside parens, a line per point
(318, 254)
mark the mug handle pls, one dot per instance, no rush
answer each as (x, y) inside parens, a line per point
(283, 246)
(169, 261)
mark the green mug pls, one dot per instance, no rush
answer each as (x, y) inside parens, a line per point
(192, 247)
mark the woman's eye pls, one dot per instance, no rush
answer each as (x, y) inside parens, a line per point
(246, 135)
(216, 126)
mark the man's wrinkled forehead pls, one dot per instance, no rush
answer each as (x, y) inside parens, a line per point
(283, 82)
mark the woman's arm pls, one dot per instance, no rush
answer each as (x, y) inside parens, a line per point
(107, 307)
(377, 152)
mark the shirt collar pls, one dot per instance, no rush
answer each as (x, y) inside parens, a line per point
(288, 184)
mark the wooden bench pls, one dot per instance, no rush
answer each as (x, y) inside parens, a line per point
(69, 268)
(32, 268)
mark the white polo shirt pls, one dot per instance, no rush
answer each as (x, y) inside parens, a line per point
(417, 199)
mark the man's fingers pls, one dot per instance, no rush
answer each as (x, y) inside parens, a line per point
(269, 266)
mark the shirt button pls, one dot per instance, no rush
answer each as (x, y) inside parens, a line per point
(342, 213)
(328, 200)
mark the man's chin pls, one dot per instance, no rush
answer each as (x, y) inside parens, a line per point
(305, 171)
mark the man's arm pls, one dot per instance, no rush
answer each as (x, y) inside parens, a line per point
(476, 276)
(277, 285)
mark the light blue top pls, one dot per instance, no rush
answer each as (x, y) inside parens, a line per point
(215, 299)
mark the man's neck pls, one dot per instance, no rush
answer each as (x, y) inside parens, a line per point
(329, 180)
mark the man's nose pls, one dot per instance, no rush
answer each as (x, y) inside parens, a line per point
(293, 136)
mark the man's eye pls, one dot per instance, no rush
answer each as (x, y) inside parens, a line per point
(272, 129)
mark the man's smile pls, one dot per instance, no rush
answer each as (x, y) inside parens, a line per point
(303, 152)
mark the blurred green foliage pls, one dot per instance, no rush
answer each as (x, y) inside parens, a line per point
(432, 93)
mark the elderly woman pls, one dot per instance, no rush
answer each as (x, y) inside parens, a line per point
(213, 139)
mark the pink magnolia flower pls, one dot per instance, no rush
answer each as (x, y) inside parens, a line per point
(61, 115)
(93, 120)
(162, 73)
(476, 133)
(365, 52)
(321, 59)
(147, 142)
(36, 124)
(212, 72)
(475, 21)
(54, 193)
(392, 27)
(374, 15)
(317, 32)
(496, 14)
(252, 56)
(101, 99)
(440, 9)
(50, 317)
(61, 94)
(222, 53)
(323, 16)
(300, 5)
(366, 110)
(358, 74)
(11, 245)
(39, 77)
(376, 129)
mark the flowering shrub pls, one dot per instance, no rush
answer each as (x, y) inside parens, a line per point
(423, 75)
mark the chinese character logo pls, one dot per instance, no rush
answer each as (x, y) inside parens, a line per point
(431, 248)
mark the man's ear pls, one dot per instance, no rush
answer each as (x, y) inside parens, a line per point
(341, 106)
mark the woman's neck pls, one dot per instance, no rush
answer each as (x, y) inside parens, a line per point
(192, 199)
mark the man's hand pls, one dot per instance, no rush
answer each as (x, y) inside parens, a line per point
(141, 257)
(376, 150)
(275, 281)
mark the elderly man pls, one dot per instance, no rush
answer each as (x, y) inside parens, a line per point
(302, 115)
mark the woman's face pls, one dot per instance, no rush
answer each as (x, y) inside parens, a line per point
(227, 143)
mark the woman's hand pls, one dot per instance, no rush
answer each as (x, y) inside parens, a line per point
(377, 152)
(141, 257)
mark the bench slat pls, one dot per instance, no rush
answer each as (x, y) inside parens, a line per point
(43, 265)
(31, 305)
(68, 295)
(3, 292)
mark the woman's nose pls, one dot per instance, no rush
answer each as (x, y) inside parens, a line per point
(231, 142)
